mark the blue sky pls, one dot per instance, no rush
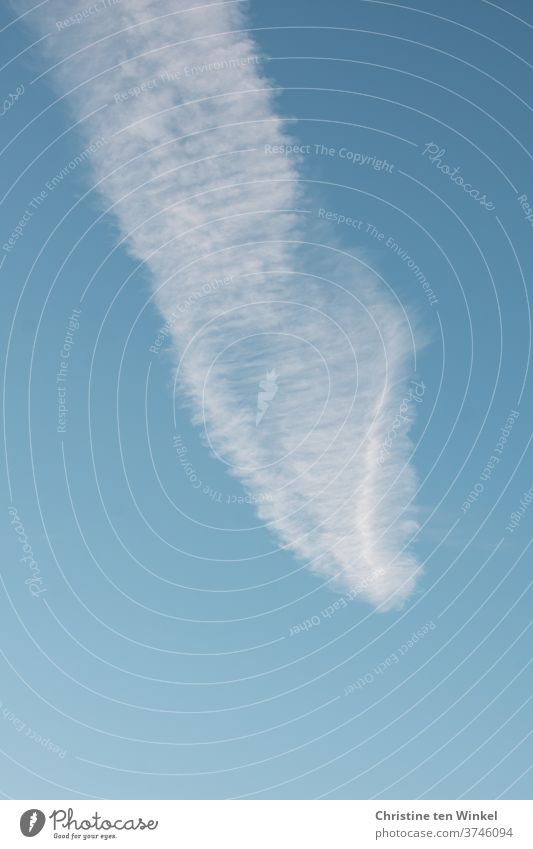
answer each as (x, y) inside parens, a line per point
(332, 602)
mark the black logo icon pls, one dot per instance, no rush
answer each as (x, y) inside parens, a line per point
(32, 822)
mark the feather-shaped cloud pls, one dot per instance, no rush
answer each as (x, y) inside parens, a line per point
(178, 92)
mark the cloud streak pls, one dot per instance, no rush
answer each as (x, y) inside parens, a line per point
(186, 110)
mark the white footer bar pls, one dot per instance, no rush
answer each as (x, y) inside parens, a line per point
(268, 824)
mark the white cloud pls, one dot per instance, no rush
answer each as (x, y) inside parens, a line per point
(192, 188)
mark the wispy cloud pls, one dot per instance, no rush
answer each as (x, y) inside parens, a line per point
(197, 199)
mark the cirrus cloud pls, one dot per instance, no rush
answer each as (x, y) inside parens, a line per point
(179, 92)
